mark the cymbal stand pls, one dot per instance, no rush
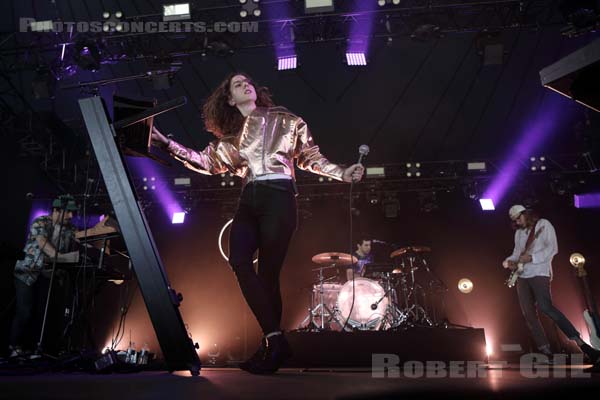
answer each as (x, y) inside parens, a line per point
(320, 309)
(393, 316)
(415, 308)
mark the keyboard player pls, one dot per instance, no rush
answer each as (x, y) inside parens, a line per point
(49, 236)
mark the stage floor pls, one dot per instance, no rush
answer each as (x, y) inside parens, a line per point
(229, 383)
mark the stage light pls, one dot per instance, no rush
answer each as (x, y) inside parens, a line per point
(356, 59)
(183, 181)
(413, 170)
(382, 3)
(577, 260)
(538, 164)
(41, 26)
(318, 6)
(106, 15)
(286, 63)
(375, 172)
(489, 348)
(250, 8)
(476, 166)
(176, 12)
(487, 204)
(589, 200)
(465, 285)
(178, 218)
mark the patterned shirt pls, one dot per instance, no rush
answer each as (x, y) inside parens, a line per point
(28, 269)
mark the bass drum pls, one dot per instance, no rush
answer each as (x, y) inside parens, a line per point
(370, 305)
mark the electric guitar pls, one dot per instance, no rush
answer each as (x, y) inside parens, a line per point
(591, 314)
(514, 275)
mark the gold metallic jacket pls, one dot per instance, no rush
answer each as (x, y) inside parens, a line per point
(268, 143)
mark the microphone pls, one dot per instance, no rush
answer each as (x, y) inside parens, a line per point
(363, 150)
(378, 241)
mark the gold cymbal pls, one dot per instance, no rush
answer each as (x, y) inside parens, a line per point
(410, 249)
(334, 258)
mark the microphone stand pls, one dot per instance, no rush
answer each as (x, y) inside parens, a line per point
(39, 349)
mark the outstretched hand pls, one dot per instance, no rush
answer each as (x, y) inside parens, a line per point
(158, 139)
(353, 173)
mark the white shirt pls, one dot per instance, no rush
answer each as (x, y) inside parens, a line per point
(542, 250)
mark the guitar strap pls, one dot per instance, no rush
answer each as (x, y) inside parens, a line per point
(530, 239)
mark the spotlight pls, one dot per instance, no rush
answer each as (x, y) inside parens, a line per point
(538, 164)
(577, 260)
(588, 200)
(413, 170)
(250, 8)
(318, 6)
(382, 3)
(487, 204)
(178, 218)
(375, 172)
(286, 63)
(227, 179)
(465, 285)
(477, 166)
(356, 59)
(176, 12)
(183, 181)
(106, 15)
(489, 349)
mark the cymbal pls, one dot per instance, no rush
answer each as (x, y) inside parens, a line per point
(334, 258)
(410, 249)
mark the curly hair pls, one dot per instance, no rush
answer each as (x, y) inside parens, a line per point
(220, 118)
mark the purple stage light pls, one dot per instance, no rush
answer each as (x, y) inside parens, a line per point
(356, 59)
(487, 204)
(536, 132)
(178, 218)
(285, 63)
(588, 200)
(145, 167)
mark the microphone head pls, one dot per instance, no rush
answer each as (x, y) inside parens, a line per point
(363, 149)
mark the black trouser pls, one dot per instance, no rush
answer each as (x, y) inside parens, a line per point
(26, 297)
(265, 221)
(537, 290)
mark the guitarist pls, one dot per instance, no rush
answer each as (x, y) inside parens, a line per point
(535, 246)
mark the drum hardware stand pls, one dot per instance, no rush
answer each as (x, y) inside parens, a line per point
(393, 316)
(320, 308)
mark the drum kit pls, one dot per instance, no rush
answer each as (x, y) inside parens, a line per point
(371, 301)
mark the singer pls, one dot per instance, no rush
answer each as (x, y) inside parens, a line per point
(258, 142)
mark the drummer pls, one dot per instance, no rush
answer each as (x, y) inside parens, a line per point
(364, 256)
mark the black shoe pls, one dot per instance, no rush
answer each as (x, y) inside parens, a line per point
(250, 364)
(278, 350)
(591, 353)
